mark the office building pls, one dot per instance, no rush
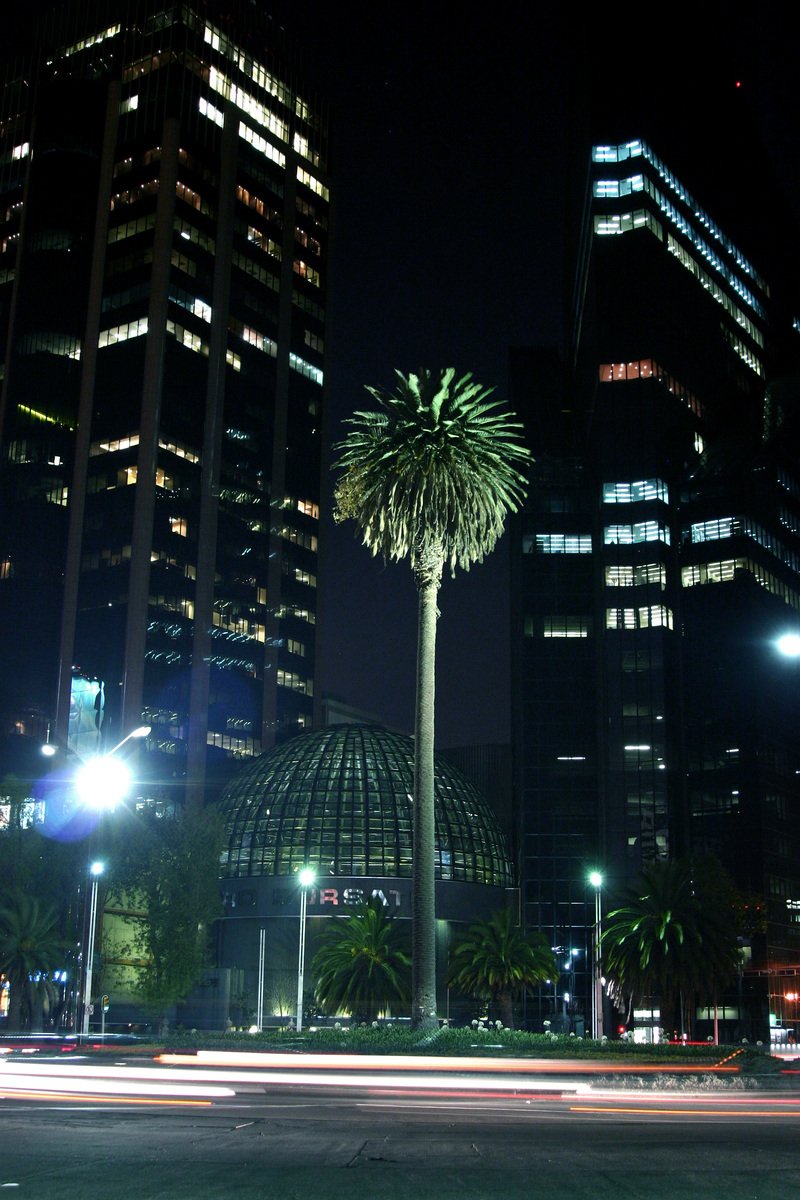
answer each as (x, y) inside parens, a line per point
(655, 566)
(165, 215)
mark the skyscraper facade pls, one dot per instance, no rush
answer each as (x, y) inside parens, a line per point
(655, 567)
(165, 221)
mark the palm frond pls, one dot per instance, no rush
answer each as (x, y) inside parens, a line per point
(438, 465)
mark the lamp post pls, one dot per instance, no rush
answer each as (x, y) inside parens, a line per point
(101, 784)
(95, 870)
(596, 880)
(305, 878)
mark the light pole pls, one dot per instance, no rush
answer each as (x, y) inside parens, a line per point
(596, 880)
(95, 870)
(305, 878)
(101, 784)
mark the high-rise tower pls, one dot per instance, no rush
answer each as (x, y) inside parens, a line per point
(165, 210)
(657, 563)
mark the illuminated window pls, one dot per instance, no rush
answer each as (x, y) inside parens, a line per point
(261, 144)
(193, 304)
(192, 341)
(123, 333)
(253, 337)
(720, 527)
(179, 525)
(558, 627)
(308, 507)
(6, 569)
(309, 180)
(290, 679)
(557, 543)
(613, 224)
(647, 617)
(93, 40)
(614, 188)
(191, 234)
(212, 113)
(264, 242)
(636, 575)
(119, 232)
(305, 368)
(566, 627)
(293, 610)
(640, 531)
(306, 272)
(130, 104)
(254, 108)
(630, 493)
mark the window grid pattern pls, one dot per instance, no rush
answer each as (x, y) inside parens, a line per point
(340, 800)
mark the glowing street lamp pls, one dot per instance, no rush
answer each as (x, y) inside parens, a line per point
(596, 881)
(95, 870)
(305, 878)
(789, 644)
(101, 783)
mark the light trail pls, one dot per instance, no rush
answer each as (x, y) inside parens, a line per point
(682, 1112)
(419, 1062)
(74, 1081)
(191, 1081)
(88, 1098)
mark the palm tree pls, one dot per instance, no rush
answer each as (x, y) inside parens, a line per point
(363, 966)
(675, 935)
(30, 948)
(496, 960)
(430, 476)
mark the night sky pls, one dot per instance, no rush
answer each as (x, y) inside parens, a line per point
(446, 153)
(451, 156)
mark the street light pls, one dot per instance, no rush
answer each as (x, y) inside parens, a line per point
(596, 880)
(305, 878)
(95, 870)
(789, 644)
(101, 783)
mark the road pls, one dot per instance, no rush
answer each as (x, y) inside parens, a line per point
(174, 1131)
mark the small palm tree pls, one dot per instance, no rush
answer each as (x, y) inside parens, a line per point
(496, 960)
(363, 966)
(30, 949)
(431, 476)
(675, 935)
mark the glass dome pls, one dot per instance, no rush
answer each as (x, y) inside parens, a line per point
(340, 800)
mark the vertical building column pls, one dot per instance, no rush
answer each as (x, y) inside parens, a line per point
(269, 712)
(83, 435)
(213, 433)
(144, 507)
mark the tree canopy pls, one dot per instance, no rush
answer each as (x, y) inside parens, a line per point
(496, 960)
(675, 935)
(31, 948)
(436, 467)
(168, 867)
(362, 966)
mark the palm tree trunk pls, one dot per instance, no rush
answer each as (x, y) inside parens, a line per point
(428, 574)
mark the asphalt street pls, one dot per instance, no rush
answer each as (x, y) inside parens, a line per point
(112, 1131)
